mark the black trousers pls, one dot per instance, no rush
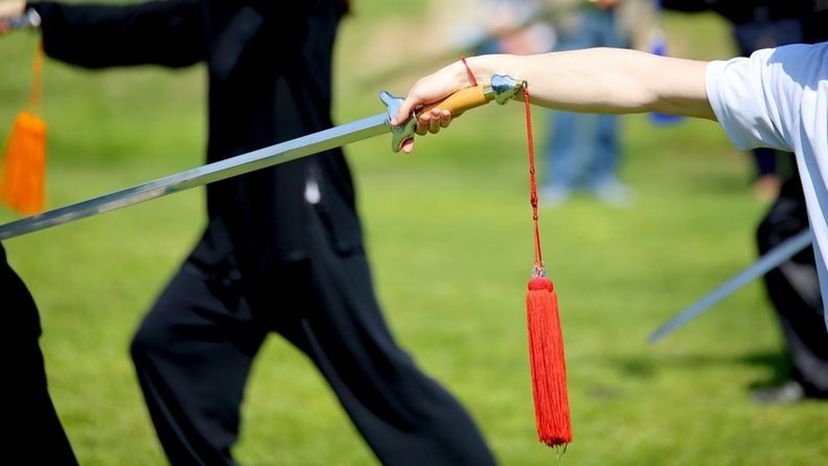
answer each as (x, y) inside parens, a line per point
(194, 349)
(33, 430)
(793, 288)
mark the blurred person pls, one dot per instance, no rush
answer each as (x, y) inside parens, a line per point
(776, 98)
(583, 150)
(513, 26)
(282, 251)
(757, 25)
(792, 288)
(30, 416)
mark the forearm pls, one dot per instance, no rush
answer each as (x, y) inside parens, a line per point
(603, 80)
(168, 33)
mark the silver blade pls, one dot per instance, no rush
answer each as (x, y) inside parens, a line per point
(227, 168)
(774, 258)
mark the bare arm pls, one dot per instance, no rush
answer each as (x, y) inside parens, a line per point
(600, 80)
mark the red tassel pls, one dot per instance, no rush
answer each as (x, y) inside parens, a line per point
(546, 356)
(22, 185)
(24, 169)
(546, 351)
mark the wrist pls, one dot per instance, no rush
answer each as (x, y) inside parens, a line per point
(482, 67)
(469, 73)
(459, 75)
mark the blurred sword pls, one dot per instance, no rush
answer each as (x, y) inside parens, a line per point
(501, 90)
(774, 258)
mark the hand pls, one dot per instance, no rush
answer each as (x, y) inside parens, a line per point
(429, 89)
(10, 9)
(428, 122)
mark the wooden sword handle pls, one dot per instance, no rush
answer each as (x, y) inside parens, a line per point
(462, 100)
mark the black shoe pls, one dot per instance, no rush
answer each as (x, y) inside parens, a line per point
(787, 393)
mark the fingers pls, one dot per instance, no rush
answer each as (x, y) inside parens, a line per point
(432, 121)
(428, 122)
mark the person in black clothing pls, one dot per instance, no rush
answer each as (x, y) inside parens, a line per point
(28, 413)
(282, 250)
(793, 287)
(757, 25)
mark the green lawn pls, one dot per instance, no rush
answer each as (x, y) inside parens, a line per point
(449, 236)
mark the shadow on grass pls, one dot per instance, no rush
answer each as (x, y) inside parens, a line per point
(646, 366)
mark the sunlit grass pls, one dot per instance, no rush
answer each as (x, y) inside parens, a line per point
(449, 236)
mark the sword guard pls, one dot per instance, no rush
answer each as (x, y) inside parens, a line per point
(399, 133)
(502, 89)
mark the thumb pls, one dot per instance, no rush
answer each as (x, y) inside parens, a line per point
(408, 145)
(405, 110)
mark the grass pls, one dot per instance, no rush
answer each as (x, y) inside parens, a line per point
(449, 235)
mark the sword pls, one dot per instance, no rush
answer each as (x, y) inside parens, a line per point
(501, 90)
(774, 258)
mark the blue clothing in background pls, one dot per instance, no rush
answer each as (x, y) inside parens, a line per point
(584, 150)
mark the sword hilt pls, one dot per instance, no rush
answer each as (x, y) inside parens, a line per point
(501, 90)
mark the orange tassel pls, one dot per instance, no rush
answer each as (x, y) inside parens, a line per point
(24, 170)
(546, 356)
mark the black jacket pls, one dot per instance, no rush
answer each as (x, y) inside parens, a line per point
(811, 13)
(269, 70)
(743, 11)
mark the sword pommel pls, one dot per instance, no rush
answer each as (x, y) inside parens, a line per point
(505, 88)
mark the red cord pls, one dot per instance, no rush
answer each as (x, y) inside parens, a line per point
(533, 183)
(472, 79)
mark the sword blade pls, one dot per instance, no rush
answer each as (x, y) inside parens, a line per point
(774, 258)
(227, 168)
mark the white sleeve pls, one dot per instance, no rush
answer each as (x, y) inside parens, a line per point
(754, 100)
